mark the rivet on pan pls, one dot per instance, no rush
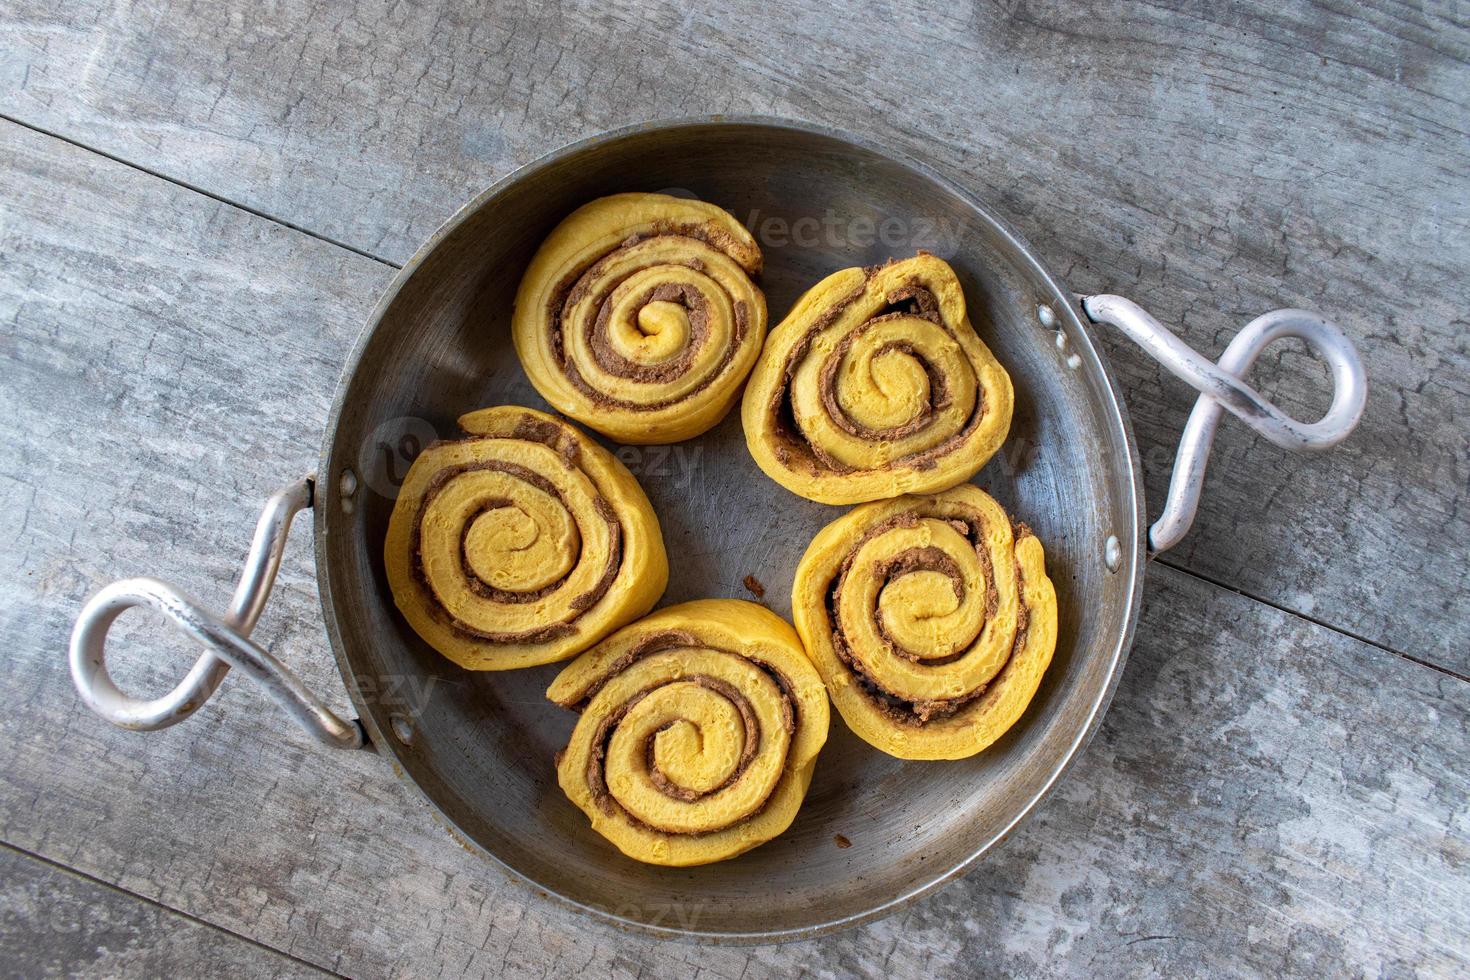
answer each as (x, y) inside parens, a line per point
(1113, 553)
(346, 487)
(1046, 315)
(1073, 361)
(402, 728)
(1061, 341)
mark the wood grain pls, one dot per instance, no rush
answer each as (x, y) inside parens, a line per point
(54, 923)
(1266, 795)
(1211, 161)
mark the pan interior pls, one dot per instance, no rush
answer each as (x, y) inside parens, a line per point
(481, 745)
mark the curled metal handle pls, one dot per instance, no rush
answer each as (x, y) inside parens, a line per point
(1222, 386)
(226, 637)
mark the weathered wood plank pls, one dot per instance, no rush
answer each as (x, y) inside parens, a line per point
(1266, 795)
(54, 923)
(1211, 161)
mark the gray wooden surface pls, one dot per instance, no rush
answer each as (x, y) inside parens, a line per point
(61, 924)
(199, 202)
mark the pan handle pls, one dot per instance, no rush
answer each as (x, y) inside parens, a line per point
(1222, 386)
(227, 638)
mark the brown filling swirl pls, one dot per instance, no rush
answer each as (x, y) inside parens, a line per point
(596, 774)
(576, 604)
(610, 361)
(899, 709)
(595, 282)
(912, 299)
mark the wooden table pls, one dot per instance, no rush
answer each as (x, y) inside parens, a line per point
(200, 202)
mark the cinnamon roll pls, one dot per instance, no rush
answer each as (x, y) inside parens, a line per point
(931, 620)
(699, 731)
(521, 544)
(639, 317)
(875, 384)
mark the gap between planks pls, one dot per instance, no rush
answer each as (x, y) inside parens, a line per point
(120, 890)
(1210, 580)
(196, 189)
(274, 219)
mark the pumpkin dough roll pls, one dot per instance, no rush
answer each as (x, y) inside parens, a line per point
(931, 620)
(521, 544)
(874, 385)
(699, 732)
(638, 316)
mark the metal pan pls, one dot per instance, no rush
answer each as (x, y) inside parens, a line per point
(480, 746)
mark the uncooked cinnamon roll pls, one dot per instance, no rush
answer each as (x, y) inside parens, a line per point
(875, 384)
(931, 620)
(638, 316)
(521, 544)
(700, 728)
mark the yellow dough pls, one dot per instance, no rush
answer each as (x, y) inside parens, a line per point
(874, 385)
(700, 728)
(931, 620)
(522, 544)
(639, 318)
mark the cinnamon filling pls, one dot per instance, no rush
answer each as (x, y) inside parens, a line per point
(695, 306)
(576, 605)
(898, 709)
(752, 741)
(929, 559)
(794, 450)
(827, 382)
(574, 291)
(548, 433)
(596, 764)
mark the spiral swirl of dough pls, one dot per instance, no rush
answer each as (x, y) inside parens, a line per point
(522, 544)
(700, 727)
(931, 620)
(639, 316)
(874, 385)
